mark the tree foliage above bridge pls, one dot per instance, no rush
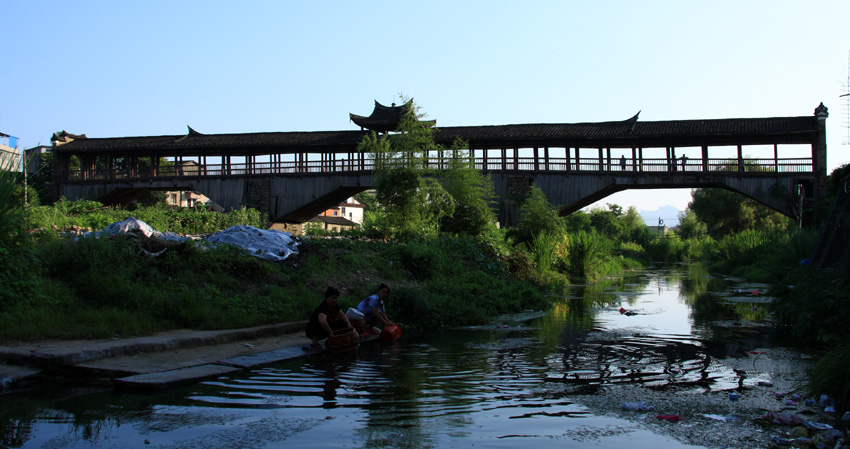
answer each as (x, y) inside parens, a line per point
(420, 196)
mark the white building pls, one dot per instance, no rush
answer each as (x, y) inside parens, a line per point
(10, 158)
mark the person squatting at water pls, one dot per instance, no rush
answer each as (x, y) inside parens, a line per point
(326, 319)
(373, 310)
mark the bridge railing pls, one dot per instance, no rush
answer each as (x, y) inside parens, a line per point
(526, 164)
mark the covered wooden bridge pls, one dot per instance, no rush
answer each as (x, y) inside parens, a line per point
(778, 161)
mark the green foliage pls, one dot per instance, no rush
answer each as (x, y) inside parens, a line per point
(607, 222)
(542, 249)
(413, 204)
(690, 226)
(11, 209)
(633, 227)
(17, 270)
(93, 215)
(368, 199)
(577, 221)
(536, 216)
(668, 248)
(42, 179)
(153, 198)
(725, 212)
(831, 376)
(746, 247)
(586, 253)
(473, 195)
(699, 248)
(811, 305)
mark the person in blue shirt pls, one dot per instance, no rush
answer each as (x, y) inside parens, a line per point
(373, 309)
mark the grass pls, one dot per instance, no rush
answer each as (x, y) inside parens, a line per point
(87, 214)
(103, 288)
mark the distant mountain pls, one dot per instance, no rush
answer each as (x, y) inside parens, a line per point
(669, 214)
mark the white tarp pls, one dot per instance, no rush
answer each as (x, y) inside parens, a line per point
(266, 244)
(129, 225)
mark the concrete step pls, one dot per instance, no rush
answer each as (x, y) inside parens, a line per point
(12, 374)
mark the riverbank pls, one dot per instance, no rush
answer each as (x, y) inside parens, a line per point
(725, 418)
(105, 288)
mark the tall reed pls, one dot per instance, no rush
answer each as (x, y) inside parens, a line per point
(586, 252)
(542, 249)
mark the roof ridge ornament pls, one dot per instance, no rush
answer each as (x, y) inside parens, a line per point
(386, 118)
(192, 132)
(633, 121)
(821, 112)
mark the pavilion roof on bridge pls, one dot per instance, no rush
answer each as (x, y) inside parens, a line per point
(630, 133)
(386, 118)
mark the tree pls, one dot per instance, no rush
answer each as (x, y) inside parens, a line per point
(472, 193)
(634, 228)
(607, 222)
(690, 226)
(368, 200)
(413, 201)
(577, 221)
(536, 215)
(725, 212)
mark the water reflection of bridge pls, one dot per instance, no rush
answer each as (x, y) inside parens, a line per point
(295, 175)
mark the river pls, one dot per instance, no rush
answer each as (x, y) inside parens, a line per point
(674, 336)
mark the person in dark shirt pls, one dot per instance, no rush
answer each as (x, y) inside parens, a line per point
(327, 318)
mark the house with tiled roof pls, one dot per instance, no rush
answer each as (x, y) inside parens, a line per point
(347, 215)
(351, 210)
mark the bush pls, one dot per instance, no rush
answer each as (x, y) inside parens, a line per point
(811, 305)
(831, 376)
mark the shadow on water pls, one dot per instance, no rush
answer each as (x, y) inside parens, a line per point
(492, 386)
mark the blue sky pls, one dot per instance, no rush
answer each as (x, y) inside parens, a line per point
(150, 68)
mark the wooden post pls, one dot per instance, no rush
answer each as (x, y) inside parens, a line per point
(516, 158)
(599, 167)
(776, 158)
(536, 165)
(740, 159)
(546, 158)
(634, 159)
(608, 168)
(705, 158)
(504, 158)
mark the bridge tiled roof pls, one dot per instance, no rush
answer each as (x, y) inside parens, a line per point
(620, 134)
(629, 133)
(236, 144)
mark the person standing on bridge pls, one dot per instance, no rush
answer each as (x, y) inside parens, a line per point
(622, 163)
(684, 161)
